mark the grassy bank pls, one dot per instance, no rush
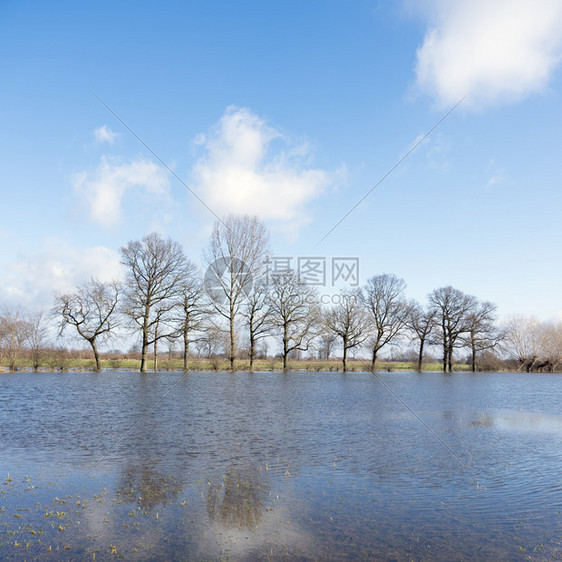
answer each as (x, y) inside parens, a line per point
(197, 364)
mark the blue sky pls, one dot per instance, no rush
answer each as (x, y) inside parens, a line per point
(293, 111)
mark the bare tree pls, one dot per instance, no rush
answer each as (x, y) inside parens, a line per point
(295, 313)
(14, 333)
(453, 310)
(156, 269)
(37, 340)
(535, 345)
(192, 311)
(264, 347)
(421, 322)
(213, 340)
(522, 340)
(327, 339)
(482, 333)
(348, 321)
(236, 255)
(550, 347)
(383, 296)
(91, 311)
(161, 316)
(256, 311)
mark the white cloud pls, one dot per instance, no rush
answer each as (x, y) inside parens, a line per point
(251, 168)
(490, 50)
(105, 134)
(31, 280)
(104, 190)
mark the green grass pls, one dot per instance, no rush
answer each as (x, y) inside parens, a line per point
(195, 364)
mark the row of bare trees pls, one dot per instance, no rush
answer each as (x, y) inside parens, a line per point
(380, 316)
(164, 298)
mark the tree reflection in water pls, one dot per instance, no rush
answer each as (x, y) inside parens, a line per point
(236, 500)
(148, 488)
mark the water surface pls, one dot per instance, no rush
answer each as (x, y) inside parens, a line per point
(257, 466)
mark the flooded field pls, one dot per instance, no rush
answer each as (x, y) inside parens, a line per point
(218, 466)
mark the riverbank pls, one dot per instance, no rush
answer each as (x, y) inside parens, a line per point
(197, 364)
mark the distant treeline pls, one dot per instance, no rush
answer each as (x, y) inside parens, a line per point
(233, 312)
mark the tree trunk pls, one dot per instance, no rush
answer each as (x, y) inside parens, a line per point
(420, 356)
(185, 354)
(285, 348)
(374, 360)
(96, 355)
(156, 348)
(445, 354)
(344, 358)
(473, 358)
(450, 358)
(232, 340)
(252, 352)
(144, 349)
(36, 359)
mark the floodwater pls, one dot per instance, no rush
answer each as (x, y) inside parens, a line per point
(219, 466)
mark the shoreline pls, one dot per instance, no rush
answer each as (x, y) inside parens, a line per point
(79, 370)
